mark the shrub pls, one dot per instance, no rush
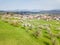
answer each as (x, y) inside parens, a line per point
(46, 43)
(0, 16)
(37, 33)
(54, 41)
(14, 23)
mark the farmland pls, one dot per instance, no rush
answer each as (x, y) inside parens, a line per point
(14, 31)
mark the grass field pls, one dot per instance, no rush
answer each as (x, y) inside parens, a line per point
(11, 35)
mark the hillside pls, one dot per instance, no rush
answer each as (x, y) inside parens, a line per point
(11, 35)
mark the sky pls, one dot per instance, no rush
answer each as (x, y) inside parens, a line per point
(29, 4)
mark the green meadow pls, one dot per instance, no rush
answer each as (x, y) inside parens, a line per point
(20, 35)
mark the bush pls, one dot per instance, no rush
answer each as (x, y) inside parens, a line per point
(37, 33)
(0, 16)
(14, 23)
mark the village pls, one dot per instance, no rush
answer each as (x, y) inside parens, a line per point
(34, 16)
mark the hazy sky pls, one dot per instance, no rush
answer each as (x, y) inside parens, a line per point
(29, 4)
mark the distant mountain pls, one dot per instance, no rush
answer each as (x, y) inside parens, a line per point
(34, 11)
(51, 11)
(40, 12)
